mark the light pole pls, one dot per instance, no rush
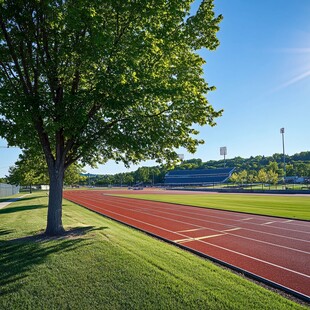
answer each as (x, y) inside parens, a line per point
(284, 168)
(223, 151)
(181, 157)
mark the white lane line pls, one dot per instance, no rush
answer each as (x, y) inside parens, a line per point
(183, 240)
(268, 223)
(210, 236)
(288, 221)
(189, 230)
(232, 229)
(246, 219)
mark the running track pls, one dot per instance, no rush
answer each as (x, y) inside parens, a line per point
(273, 249)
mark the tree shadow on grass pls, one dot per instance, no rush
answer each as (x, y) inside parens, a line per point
(20, 208)
(26, 198)
(5, 232)
(31, 196)
(19, 256)
(9, 199)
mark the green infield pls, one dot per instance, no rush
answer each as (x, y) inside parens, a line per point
(101, 264)
(296, 207)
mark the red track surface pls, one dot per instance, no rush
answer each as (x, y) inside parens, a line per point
(272, 248)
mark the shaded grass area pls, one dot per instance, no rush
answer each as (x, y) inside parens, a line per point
(100, 264)
(296, 207)
(5, 199)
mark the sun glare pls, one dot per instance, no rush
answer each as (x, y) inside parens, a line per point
(301, 72)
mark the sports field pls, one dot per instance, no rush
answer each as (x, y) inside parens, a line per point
(100, 264)
(288, 206)
(267, 248)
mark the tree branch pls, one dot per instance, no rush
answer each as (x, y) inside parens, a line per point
(10, 76)
(44, 140)
(25, 66)
(13, 54)
(48, 61)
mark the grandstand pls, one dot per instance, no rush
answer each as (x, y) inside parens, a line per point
(197, 177)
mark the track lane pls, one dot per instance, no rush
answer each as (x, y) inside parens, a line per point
(285, 264)
(248, 246)
(286, 235)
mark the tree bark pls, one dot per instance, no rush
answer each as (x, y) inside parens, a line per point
(54, 215)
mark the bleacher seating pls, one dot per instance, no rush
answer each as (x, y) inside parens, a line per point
(197, 176)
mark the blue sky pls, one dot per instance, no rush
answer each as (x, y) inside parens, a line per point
(262, 74)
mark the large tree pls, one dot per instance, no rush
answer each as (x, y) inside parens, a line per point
(94, 80)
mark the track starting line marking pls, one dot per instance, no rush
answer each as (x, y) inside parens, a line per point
(198, 238)
(222, 233)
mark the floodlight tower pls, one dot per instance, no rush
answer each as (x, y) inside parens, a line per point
(284, 168)
(181, 157)
(223, 151)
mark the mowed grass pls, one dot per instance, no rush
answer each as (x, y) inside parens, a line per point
(296, 207)
(101, 264)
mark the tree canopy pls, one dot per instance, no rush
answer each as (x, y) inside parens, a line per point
(94, 80)
(31, 169)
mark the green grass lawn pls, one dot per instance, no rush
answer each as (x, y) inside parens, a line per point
(101, 264)
(297, 207)
(265, 187)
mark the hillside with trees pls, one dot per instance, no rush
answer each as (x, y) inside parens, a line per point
(258, 169)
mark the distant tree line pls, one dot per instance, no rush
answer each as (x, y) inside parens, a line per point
(262, 169)
(32, 170)
(145, 175)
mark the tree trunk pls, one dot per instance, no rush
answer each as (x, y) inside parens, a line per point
(54, 214)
